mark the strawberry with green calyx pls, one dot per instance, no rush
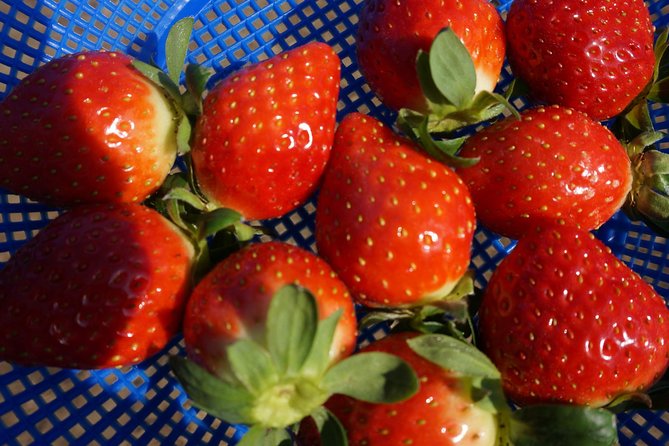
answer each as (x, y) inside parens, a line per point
(451, 406)
(282, 369)
(452, 84)
(265, 133)
(459, 402)
(553, 164)
(215, 231)
(566, 322)
(102, 285)
(232, 300)
(582, 54)
(395, 225)
(447, 79)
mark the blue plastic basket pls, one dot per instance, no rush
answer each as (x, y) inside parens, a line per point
(145, 405)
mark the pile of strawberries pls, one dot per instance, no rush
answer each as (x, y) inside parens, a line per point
(164, 188)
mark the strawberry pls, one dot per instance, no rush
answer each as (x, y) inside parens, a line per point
(268, 334)
(459, 402)
(102, 285)
(233, 300)
(592, 56)
(86, 128)
(391, 34)
(552, 164)
(395, 225)
(566, 321)
(441, 413)
(265, 133)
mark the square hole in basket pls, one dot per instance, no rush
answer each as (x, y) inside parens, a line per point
(9, 419)
(29, 407)
(25, 438)
(16, 387)
(62, 413)
(44, 426)
(94, 417)
(109, 433)
(79, 401)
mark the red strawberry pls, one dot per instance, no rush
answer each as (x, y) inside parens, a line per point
(442, 413)
(86, 128)
(268, 333)
(100, 286)
(586, 54)
(553, 164)
(232, 301)
(391, 33)
(395, 225)
(565, 321)
(266, 132)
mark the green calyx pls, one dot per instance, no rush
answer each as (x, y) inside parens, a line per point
(649, 198)
(555, 424)
(189, 103)
(215, 232)
(273, 385)
(450, 314)
(447, 77)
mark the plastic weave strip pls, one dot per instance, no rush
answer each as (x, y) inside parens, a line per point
(144, 405)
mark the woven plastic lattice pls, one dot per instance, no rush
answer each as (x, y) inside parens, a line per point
(144, 405)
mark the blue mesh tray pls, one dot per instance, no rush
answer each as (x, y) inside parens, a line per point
(144, 405)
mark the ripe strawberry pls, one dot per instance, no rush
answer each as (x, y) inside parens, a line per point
(553, 164)
(268, 333)
(232, 301)
(395, 225)
(592, 56)
(100, 286)
(565, 321)
(441, 413)
(391, 34)
(86, 128)
(266, 132)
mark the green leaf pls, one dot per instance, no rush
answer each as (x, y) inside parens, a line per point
(291, 327)
(252, 365)
(659, 91)
(217, 220)
(455, 355)
(176, 47)
(197, 78)
(374, 377)
(452, 68)
(245, 232)
(319, 356)
(660, 51)
(516, 89)
(630, 401)
(157, 76)
(260, 436)
(184, 131)
(427, 85)
(149, 71)
(331, 431)
(559, 425)
(184, 195)
(229, 402)
(491, 104)
(442, 150)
